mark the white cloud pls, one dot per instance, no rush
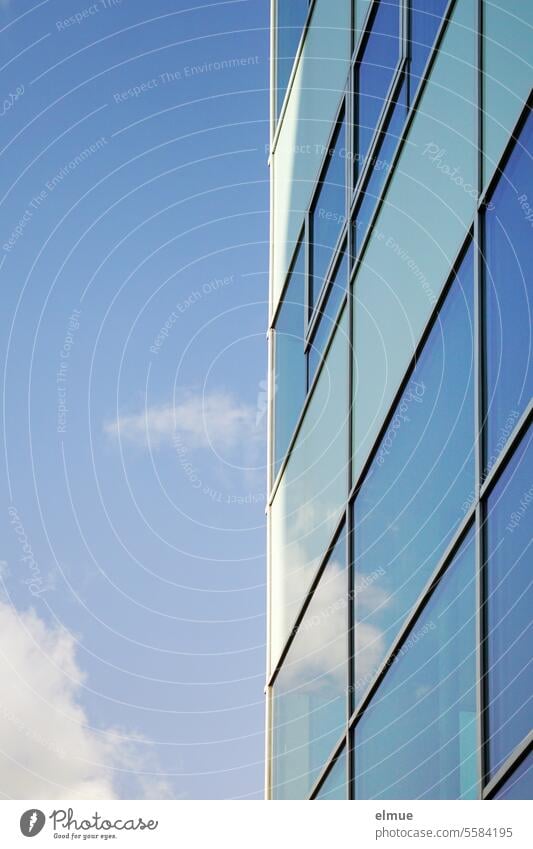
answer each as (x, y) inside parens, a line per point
(47, 748)
(217, 420)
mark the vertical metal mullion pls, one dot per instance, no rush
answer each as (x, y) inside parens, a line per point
(479, 337)
(350, 112)
(354, 89)
(350, 637)
(480, 548)
(481, 511)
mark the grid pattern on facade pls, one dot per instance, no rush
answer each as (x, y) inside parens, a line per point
(399, 611)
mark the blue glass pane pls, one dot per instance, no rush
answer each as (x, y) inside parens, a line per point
(291, 17)
(328, 313)
(421, 482)
(509, 294)
(329, 213)
(379, 61)
(290, 365)
(417, 739)
(381, 166)
(426, 16)
(309, 698)
(519, 785)
(510, 602)
(335, 786)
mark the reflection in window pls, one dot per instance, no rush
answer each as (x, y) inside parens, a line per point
(425, 19)
(510, 601)
(291, 17)
(381, 166)
(421, 483)
(335, 786)
(376, 70)
(312, 492)
(328, 213)
(328, 313)
(417, 739)
(309, 699)
(509, 294)
(290, 367)
(519, 785)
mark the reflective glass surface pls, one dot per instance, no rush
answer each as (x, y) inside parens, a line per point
(379, 61)
(312, 492)
(519, 785)
(304, 133)
(328, 213)
(360, 8)
(328, 313)
(291, 17)
(309, 698)
(381, 166)
(509, 295)
(507, 62)
(427, 210)
(425, 20)
(510, 602)
(421, 482)
(335, 786)
(290, 366)
(417, 739)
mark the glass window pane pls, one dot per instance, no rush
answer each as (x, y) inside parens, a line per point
(312, 492)
(510, 602)
(309, 698)
(360, 9)
(507, 62)
(381, 166)
(311, 109)
(421, 482)
(328, 214)
(425, 20)
(427, 210)
(417, 739)
(291, 16)
(335, 785)
(290, 367)
(519, 785)
(329, 310)
(509, 295)
(378, 63)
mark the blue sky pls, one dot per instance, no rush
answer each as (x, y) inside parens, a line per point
(133, 268)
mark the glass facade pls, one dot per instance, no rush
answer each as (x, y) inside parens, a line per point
(327, 313)
(290, 19)
(418, 737)
(289, 378)
(309, 697)
(311, 493)
(328, 213)
(335, 784)
(400, 554)
(509, 294)
(509, 578)
(410, 503)
(425, 17)
(374, 73)
(519, 785)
